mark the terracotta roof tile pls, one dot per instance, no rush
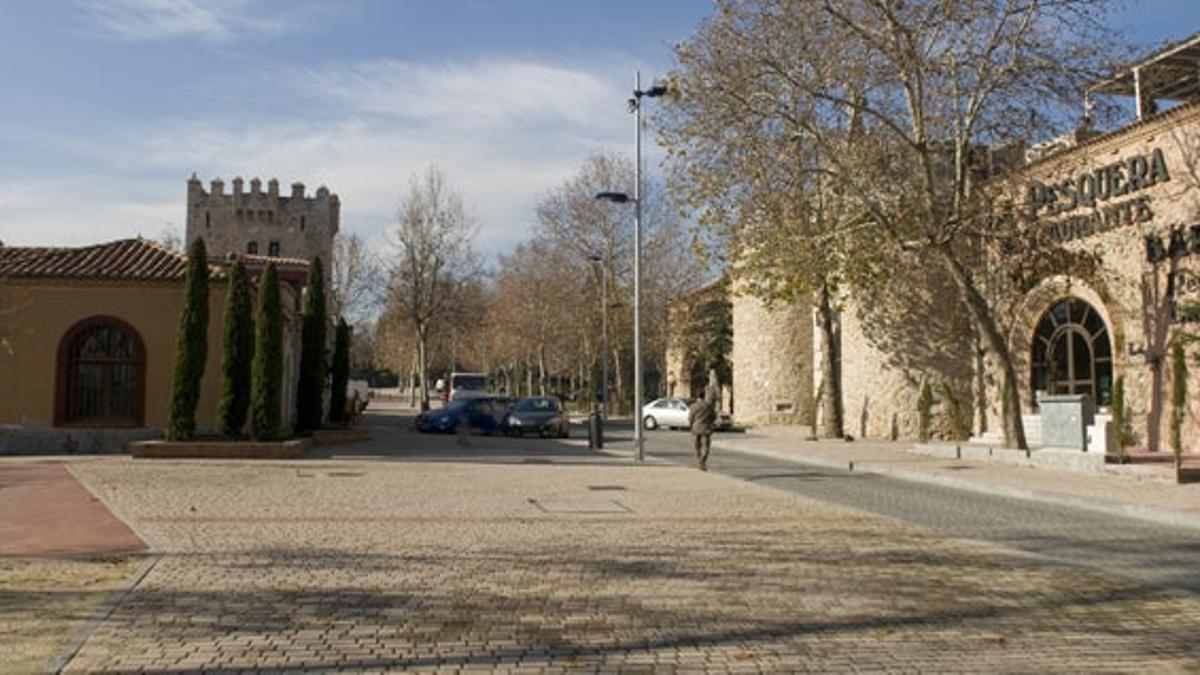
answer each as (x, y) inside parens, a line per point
(136, 259)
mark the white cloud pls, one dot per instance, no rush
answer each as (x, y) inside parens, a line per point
(164, 19)
(74, 210)
(473, 94)
(503, 132)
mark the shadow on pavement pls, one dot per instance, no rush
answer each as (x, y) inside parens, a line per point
(485, 608)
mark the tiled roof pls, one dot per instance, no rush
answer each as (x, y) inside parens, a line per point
(129, 259)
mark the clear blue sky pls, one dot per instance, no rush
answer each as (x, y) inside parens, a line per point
(109, 105)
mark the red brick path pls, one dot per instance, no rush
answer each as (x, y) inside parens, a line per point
(44, 511)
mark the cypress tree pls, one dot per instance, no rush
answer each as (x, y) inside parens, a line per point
(339, 372)
(311, 387)
(1120, 439)
(191, 346)
(267, 375)
(237, 352)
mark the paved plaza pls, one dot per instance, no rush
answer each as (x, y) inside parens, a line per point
(563, 559)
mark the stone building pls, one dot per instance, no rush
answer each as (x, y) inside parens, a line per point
(1121, 210)
(263, 223)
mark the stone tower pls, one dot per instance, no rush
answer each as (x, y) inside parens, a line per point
(262, 223)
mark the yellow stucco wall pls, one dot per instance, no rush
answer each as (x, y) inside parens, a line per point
(39, 314)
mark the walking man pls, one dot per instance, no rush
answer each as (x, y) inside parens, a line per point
(701, 416)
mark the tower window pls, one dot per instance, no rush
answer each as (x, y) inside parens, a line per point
(207, 220)
(273, 249)
(252, 248)
(301, 222)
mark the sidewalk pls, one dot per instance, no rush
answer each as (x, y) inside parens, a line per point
(1131, 491)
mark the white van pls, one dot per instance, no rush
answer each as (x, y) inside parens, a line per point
(468, 385)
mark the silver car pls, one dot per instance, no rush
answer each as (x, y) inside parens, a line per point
(672, 413)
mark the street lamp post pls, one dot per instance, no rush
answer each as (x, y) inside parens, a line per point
(599, 260)
(635, 106)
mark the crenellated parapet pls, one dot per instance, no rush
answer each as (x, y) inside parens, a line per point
(249, 219)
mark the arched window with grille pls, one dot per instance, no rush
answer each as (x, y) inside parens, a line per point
(101, 375)
(1072, 352)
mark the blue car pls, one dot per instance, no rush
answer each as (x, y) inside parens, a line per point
(483, 414)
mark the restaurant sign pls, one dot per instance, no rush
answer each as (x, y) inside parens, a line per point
(1097, 201)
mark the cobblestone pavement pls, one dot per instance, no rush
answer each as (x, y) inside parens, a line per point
(424, 565)
(1167, 556)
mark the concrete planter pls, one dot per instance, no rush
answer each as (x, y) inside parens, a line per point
(33, 440)
(213, 449)
(339, 436)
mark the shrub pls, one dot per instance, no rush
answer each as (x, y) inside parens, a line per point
(924, 411)
(311, 387)
(267, 376)
(1120, 433)
(960, 428)
(191, 346)
(237, 353)
(339, 372)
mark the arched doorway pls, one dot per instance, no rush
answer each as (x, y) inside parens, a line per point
(1072, 352)
(101, 375)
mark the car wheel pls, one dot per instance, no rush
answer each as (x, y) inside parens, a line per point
(650, 423)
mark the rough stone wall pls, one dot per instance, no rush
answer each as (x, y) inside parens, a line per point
(907, 329)
(772, 362)
(303, 226)
(878, 400)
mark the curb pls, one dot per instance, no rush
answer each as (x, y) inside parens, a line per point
(1153, 514)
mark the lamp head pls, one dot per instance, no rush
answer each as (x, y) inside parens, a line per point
(614, 197)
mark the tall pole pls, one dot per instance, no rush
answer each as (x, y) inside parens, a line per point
(638, 447)
(604, 332)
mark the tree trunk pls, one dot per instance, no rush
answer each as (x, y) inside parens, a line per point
(997, 347)
(832, 423)
(422, 367)
(617, 388)
(542, 370)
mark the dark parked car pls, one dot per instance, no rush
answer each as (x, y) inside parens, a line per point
(482, 415)
(541, 415)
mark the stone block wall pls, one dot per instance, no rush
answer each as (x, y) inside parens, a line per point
(772, 362)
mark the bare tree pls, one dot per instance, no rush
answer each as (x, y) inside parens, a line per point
(435, 258)
(355, 279)
(170, 238)
(596, 241)
(931, 84)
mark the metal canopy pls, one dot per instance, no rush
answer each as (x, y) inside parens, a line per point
(1170, 74)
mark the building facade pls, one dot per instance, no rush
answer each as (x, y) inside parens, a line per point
(89, 333)
(1110, 283)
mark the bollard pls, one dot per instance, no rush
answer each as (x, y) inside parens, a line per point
(595, 431)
